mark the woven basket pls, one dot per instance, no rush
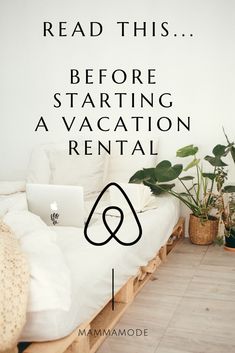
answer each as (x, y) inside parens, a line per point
(202, 233)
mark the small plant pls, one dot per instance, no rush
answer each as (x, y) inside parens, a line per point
(226, 211)
(228, 215)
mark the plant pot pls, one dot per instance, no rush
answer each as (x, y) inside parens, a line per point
(230, 241)
(202, 232)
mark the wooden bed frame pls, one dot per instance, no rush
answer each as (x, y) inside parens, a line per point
(107, 318)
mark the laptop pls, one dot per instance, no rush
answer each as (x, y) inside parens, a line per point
(61, 205)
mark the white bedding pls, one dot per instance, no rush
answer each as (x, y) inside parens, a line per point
(49, 274)
(90, 268)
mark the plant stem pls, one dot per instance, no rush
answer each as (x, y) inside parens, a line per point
(198, 184)
(191, 206)
(211, 189)
(188, 191)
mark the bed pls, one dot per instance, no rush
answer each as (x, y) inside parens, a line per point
(91, 270)
(70, 283)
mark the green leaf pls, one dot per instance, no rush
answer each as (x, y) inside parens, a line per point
(149, 173)
(186, 151)
(138, 177)
(158, 189)
(164, 171)
(144, 174)
(187, 177)
(229, 188)
(219, 150)
(192, 164)
(211, 176)
(215, 161)
(184, 194)
(233, 153)
(166, 187)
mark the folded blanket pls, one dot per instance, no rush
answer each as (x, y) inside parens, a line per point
(11, 187)
(14, 283)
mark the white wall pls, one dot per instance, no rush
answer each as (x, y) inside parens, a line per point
(198, 71)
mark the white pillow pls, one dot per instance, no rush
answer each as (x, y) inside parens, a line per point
(51, 164)
(122, 167)
(11, 187)
(84, 170)
(39, 168)
(138, 194)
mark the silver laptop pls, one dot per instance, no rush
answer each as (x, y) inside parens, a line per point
(61, 205)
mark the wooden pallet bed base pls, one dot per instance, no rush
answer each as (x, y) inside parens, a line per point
(107, 318)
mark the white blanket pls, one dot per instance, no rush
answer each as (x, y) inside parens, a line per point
(90, 267)
(14, 202)
(50, 277)
(70, 278)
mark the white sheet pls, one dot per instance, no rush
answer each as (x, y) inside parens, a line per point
(90, 268)
(49, 274)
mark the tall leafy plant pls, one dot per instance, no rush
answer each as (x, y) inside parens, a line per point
(198, 187)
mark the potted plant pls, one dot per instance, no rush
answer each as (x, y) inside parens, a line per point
(228, 217)
(225, 205)
(198, 192)
(226, 210)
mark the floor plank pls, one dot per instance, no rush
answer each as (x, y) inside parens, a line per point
(213, 282)
(187, 308)
(200, 315)
(168, 281)
(217, 256)
(180, 341)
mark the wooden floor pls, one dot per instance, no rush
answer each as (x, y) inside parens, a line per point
(188, 307)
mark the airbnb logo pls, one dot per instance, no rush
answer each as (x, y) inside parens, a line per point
(113, 232)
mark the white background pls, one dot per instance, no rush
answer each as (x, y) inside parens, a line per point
(199, 71)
